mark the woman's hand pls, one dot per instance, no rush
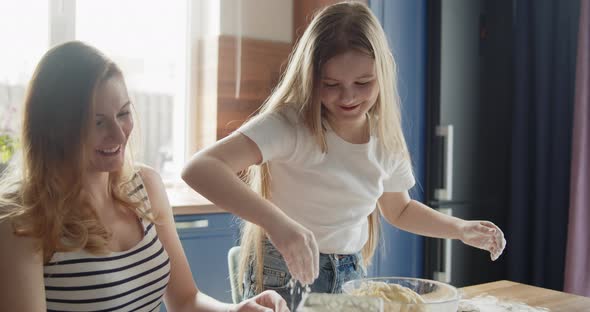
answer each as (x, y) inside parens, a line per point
(484, 235)
(266, 301)
(298, 247)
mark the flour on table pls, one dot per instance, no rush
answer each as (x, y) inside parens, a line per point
(493, 304)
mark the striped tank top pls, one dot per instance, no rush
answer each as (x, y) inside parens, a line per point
(132, 280)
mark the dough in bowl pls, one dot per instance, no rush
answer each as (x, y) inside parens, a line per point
(395, 296)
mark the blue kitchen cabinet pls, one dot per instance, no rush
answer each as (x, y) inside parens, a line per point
(206, 239)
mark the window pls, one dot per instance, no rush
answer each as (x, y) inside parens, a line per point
(24, 35)
(195, 70)
(147, 39)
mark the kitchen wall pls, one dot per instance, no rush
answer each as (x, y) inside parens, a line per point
(267, 20)
(240, 48)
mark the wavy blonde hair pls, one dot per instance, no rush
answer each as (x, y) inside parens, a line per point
(42, 194)
(334, 30)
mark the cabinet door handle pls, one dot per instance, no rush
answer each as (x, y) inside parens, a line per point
(447, 258)
(446, 193)
(197, 224)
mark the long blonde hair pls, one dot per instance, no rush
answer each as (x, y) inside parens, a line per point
(335, 29)
(42, 194)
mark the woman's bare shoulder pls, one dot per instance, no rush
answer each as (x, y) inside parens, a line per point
(13, 245)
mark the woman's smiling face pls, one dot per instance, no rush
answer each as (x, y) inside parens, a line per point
(112, 126)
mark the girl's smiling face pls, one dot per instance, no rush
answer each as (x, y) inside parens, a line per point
(349, 86)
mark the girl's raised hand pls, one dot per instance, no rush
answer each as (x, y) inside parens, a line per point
(298, 247)
(484, 235)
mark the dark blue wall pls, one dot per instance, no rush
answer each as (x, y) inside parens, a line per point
(404, 22)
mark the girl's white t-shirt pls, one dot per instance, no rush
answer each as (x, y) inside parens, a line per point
(332, 193)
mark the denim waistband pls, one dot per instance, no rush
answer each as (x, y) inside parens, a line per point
(335, 259)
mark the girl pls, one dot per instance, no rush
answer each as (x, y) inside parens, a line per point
(329, 149)
(81, 228)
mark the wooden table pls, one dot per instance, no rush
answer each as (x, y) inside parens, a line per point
(556, 301)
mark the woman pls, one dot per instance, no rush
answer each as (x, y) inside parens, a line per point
(82, 228)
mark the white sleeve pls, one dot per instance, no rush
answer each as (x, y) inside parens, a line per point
(401, 177)
(274, 134)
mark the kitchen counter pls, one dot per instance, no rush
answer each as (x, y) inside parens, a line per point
(556, 301)
(185, 201)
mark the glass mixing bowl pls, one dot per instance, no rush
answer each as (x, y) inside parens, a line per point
(438, 296)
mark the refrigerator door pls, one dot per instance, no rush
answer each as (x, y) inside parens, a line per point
(468, 153)
(469, 101)
(459, 97)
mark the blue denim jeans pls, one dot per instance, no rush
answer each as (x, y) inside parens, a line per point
(335, 270)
